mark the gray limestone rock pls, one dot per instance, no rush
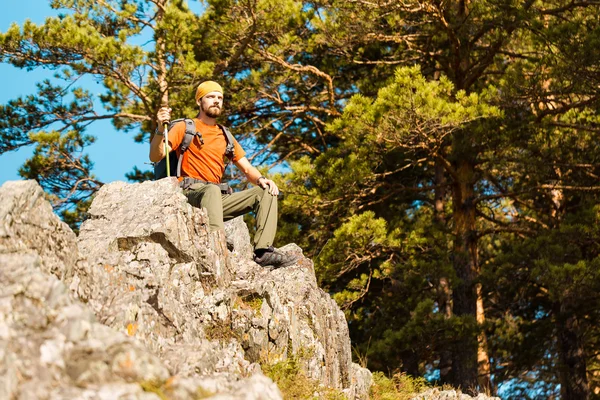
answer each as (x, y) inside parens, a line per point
(154, 219)
(176, 298)
(238, 238)
(155, 272)
(28, 225)
(150, 295)
(255, 387)
(296, 317)
(52, 344)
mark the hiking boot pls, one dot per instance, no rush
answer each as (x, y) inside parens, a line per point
(275, 259)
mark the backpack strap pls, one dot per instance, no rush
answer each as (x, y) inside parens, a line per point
(190, 133)
(230, 149)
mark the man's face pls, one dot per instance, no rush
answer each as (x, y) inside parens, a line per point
(211, 104)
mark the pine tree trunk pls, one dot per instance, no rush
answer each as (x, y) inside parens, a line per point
(445, 305)
(410, 363)
(572, 369)
(444, 297)
(440, 194)
(572, 363)
(465, 352)
(483, 360)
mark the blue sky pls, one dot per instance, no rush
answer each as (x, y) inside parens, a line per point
(114, 153)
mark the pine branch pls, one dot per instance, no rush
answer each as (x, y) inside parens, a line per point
(568, 7)
(305, 68)
(575, 188)
(522, 231)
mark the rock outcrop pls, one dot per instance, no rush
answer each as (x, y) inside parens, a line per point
(147, 303)
(28, 225)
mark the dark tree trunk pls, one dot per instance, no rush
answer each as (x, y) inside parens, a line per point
(444, 296)
(440, 194)
(572, 367)
(571, 351)
(484, 370)
(465, 261)
(410, 363)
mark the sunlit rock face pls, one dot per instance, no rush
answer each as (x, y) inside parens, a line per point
(148, 303)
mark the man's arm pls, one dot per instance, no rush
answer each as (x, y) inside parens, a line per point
(253, 176)
(157, 148)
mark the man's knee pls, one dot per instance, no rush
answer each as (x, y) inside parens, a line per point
(212, 191)
(204, 196)
(212, 201)
(263, 195)
(211, 196)
(258, 191)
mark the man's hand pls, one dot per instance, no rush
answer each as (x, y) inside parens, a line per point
(264, 182)
(254, 176)
(157, 146)
(163, 116)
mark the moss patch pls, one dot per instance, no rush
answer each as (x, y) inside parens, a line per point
(202, 393)
(221, 331)
(250, 302)
(162, 389)
(154, 387)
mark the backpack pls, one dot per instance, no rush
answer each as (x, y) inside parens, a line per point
(160, 168)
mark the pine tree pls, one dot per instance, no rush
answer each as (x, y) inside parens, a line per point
(478, 177)
(237, 44)
(374, 192)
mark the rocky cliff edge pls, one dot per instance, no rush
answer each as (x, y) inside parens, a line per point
(146, 303)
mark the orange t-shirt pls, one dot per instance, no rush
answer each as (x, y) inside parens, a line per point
(203, 161)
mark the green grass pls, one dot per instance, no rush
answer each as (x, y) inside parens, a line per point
(294, 384)
(398, 387)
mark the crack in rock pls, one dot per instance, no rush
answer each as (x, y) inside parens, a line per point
(130, 243)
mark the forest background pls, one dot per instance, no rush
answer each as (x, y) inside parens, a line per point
(440, 159)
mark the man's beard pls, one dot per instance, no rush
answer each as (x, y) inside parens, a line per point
(212, 111)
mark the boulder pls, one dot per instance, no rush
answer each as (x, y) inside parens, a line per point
(238, 238)
(148, 303)
(28, 225)
(154, 265)
(287, 313)
(53, 345)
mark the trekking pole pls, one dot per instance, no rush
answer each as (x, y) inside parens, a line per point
(166, 126)
(165, 103)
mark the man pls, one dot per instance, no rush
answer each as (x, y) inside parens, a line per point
(203, 166)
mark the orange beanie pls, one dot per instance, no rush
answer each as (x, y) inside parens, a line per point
(206, 87)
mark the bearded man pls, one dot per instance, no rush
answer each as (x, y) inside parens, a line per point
(203, 166)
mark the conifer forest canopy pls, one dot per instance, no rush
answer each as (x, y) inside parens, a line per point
(440, 159)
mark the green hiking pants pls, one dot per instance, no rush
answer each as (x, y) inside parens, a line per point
(223, 207)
